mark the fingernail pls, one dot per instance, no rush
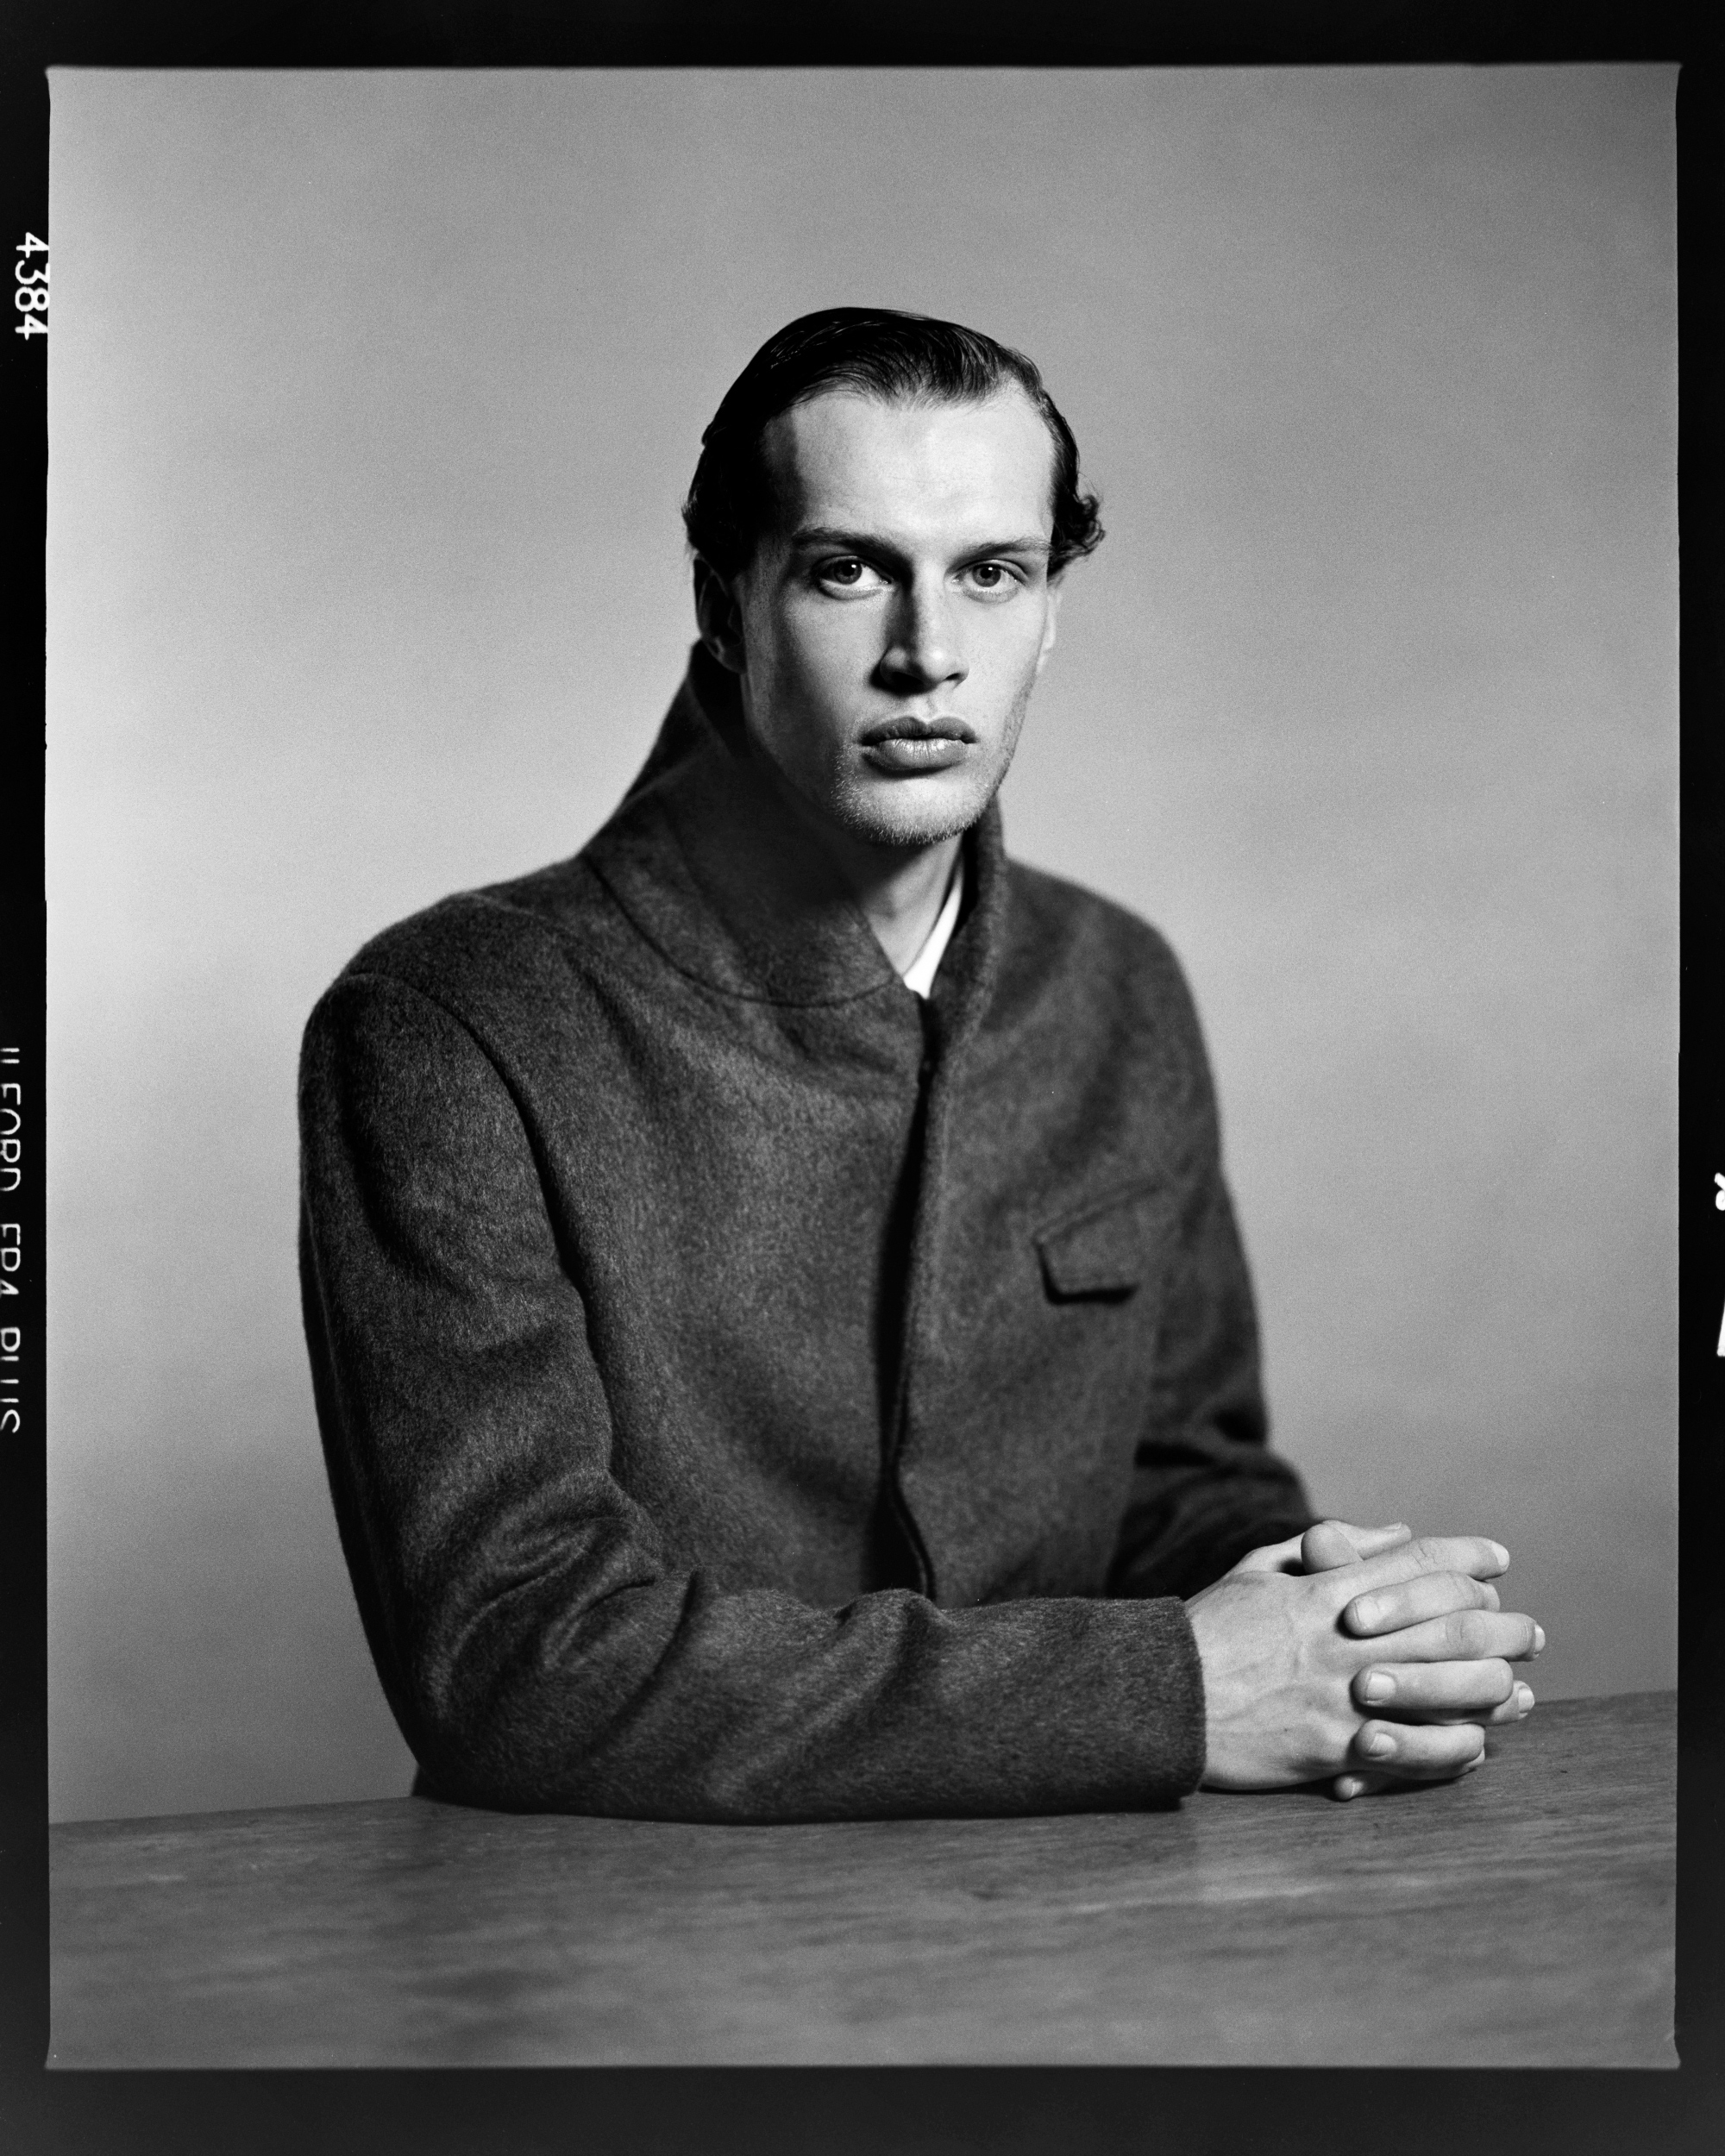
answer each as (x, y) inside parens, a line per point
(1524, 1699)
(1380, 1685)
(1378, 1745)
(1503, 1554)
(1349, 1785)
(1366, 1612)
(1538, 1638)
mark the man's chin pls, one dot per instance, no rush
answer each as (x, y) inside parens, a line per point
(911, 814)
(908, 815)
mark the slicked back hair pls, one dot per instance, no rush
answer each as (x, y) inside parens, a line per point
(875, 352)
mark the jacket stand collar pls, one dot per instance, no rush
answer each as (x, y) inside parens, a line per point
(728, 886)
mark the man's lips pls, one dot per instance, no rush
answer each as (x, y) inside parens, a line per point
(907, 746)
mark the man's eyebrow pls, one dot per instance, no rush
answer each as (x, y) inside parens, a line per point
(871, 543)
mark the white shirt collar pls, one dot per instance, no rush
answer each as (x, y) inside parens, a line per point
(918, 976)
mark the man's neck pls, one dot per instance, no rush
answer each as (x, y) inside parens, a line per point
(900, 889)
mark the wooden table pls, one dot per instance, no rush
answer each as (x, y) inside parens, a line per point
(1523, 1916)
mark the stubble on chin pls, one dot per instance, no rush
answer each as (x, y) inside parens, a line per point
(888, 820)
(899, 815)
(891, 814)
(896, 815)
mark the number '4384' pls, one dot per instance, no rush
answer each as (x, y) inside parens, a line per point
(30, 296)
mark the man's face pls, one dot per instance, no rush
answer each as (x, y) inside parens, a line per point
(889, 632)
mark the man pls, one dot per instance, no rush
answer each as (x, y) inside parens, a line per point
(779, 1336)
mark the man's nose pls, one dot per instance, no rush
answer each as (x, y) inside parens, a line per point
(925, 652)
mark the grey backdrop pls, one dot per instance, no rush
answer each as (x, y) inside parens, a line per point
(372, 398)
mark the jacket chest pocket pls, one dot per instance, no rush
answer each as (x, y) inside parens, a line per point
(1111, 1248)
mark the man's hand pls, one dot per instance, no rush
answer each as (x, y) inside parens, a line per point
(1332, 1543)
(1295, 1659)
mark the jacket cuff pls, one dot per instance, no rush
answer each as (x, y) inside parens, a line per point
(1170, 1712)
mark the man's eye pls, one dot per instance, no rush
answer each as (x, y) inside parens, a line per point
(993, 576)
(848, 573)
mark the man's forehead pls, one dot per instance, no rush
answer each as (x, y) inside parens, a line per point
(846, 452)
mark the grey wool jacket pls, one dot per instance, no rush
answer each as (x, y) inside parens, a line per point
(750, 1392)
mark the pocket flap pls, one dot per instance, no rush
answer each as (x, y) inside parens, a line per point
(1109, 1247)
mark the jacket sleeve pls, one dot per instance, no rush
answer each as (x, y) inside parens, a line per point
(1206, 1487)
(536, 1647)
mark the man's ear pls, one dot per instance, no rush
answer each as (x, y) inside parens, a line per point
(718, 615)
(1052, 623)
